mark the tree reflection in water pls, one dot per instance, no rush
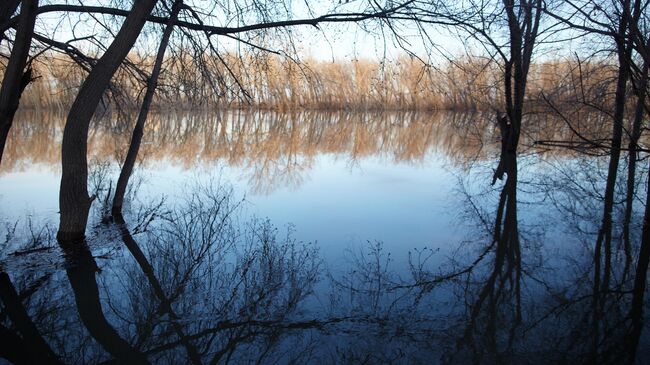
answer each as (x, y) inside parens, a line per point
(276, 149)
(194, 287)
(191, 283)
(197, 282)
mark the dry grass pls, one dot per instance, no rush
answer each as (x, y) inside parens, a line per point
(270, 82)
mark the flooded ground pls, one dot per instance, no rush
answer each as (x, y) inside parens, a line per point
(312, 238)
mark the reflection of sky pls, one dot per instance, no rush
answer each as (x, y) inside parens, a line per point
(338, 204)
(33, 191)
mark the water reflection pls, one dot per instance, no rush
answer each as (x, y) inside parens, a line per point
(192, 287)
(276, 149)
(193, 280)
(22, 342)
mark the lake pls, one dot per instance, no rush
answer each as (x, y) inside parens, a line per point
(312, 237)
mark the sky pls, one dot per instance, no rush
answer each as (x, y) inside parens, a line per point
(329, 42)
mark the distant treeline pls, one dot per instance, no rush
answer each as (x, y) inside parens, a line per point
(273, 82)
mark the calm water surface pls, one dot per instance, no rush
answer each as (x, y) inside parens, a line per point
(306, 238)
(343, 187)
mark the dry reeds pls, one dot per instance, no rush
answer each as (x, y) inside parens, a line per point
(273, 82)
(260, 140)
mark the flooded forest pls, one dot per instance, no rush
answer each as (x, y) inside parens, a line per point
(324, 182)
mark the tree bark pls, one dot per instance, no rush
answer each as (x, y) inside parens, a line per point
(15, 78)
(74, 201)
(7, 9)
(138, 131)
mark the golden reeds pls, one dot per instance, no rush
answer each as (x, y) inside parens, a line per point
(260, 139)
(271, 82)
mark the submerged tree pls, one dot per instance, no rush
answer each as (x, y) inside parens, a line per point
(73, 195)
(617, 23)
(138, 131)
(16, 77)
(640, 43)
(508, 32)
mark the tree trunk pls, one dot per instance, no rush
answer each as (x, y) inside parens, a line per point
(74, 201)
(14, 80)
(7, 9)
(604, 239)
(138, 131)
(632, 159)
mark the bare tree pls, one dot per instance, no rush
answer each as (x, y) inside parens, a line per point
(508, 32)
(138, 131)
(73, 195)
(639, 42)
(612, 21)
(7, 9)
(16, 77)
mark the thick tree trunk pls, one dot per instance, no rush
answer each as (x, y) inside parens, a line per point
(138, 131)
(7, 9)
(14, 80)
(74, 201)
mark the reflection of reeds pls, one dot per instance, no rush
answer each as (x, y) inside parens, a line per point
(281, 84)
(284, 141)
